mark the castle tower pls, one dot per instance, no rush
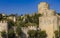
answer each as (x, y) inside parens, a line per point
(48, 20)
(3, 27)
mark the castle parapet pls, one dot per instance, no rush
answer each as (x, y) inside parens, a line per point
(4, 21)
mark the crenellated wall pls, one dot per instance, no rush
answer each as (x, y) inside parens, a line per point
(26, 29)
(3, 26)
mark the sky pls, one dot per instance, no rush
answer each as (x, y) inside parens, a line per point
(26, 6)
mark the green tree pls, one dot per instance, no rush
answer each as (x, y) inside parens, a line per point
(27, 18)
(18, 30)
(3, 34)
(11, 33)
(57, 33)
(10, 24)
(42, 34)
(35, 18)
(1, 17)
(31, 33)
(37, 34)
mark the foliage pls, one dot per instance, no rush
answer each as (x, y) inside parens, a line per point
(10, 24)
(35, 18)
(18, 30)
(25, 21)
(42, 34)
(1, 16)
(58, 13)
(11, 33)
(3, 34)
(20, 18)
(37, 34)
(57, 33)
(31, 33)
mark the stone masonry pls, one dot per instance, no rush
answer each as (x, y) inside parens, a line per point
(48, 20)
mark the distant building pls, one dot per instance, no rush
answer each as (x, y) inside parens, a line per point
(12, 17)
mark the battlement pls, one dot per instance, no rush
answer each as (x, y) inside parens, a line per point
(4, 21)
(30, 27)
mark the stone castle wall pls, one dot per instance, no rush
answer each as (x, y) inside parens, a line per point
(48, 20)
(26, 29)
(3, 27)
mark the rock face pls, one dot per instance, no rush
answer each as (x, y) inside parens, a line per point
(48, 20)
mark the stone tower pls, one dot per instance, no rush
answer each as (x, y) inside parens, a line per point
(48, 20)
(3, 27)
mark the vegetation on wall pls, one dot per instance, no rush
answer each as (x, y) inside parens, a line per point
(4, 34)
(37, 34)
(57, 33)
(14, 28)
